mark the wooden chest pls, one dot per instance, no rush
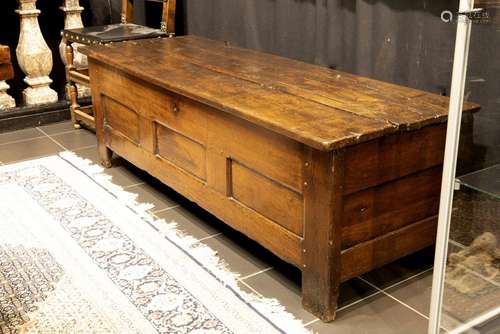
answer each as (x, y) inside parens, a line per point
(334, 173)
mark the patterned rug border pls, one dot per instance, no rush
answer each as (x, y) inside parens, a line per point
(269, 309)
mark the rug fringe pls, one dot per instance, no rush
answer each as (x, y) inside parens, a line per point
(207, 257)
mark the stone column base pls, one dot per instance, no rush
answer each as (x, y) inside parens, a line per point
(6, 101)
(39, 95)
(39, 91)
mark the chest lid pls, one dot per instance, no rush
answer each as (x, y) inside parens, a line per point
(322, 108)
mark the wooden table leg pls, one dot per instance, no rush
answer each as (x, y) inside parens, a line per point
(71, 89)
(105, 155)
(321, 245)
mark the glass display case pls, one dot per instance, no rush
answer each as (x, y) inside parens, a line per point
(466, 287)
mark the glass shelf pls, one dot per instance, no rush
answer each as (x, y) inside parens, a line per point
(486, 181)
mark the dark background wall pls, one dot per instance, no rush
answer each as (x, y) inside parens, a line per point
(400, 41)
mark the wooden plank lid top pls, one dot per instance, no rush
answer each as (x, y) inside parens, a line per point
(320, 107)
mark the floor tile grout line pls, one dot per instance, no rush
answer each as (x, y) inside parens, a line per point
(256, 273)
(348, 305)
(377, 291)
(38, 156)
(134, 185)
(30, 158)
(207, 238)
(251, 289)
(84, 148)
(358, 301)
(166, 209)
(198, 240)
(311, 322)
(22, 140)
(55, 141)
(60, 133)
(394, 298)
(407, 279)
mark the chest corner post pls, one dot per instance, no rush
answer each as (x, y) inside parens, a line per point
(323, 191)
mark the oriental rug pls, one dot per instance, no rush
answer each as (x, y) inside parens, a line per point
(79, 255)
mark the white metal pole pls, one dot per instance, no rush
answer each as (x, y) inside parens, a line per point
(450, 162)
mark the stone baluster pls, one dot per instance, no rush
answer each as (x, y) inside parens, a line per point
(6, 73)
(6, 101)
(72, 20)
(34, 56)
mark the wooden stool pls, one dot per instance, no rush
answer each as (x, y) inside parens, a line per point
(123, 31)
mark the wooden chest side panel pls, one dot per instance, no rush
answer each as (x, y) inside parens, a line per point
(212, 158)
(272, 155)
(182, 151)
(379, 210)
(121, 118)
(377, 252)
(271, 199)
(132, 93)
(277, 239)
(392, 157)
(180, 114)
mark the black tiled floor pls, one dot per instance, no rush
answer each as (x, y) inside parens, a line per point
(190, 223)
(20, 135)
(28, 149)
(364, 308)
(56, 128)
(401, 269)
(375, 315)
(238, 258)
(124, 175)
(148, 194)
(415, 292)
(76, 139)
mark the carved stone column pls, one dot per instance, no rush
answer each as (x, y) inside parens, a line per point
(73, 20)
(34, 56)
(6, 73)
(6, 101)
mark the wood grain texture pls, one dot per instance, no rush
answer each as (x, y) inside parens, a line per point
(182, 151)
(377, 252)
(276, 93)
(274, 156)
(271, 235)
(322, 227)
(4, 55)
(121, 118)
(392, 157)
(278, 203)
(127, 11)
(334, 173)
(382, 209)
(168, 15)
(6, 71)
(184, 116)
(401, 106)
